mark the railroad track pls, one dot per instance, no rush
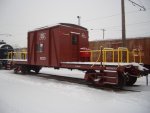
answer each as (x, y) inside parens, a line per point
(80, 81)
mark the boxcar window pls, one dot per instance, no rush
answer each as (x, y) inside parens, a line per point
(74, 39)
(40, 48)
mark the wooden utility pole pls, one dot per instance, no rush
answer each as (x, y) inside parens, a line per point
(103, 30)
(142, 8)
(123, 24)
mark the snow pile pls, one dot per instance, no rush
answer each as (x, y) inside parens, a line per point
(32, 94)
(140, 67)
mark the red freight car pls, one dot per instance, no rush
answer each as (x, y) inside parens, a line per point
(66, 46)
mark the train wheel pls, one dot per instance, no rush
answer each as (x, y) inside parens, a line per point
(24, 70)
(121, 80)
(130, 80)
(90, 76)
(16, 70)
(37, 69)
(0, 65)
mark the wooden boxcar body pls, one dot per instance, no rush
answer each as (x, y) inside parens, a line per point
(142, 44)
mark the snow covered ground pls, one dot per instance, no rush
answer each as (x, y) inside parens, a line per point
(32, 94)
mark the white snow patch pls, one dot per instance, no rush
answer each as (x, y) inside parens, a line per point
(64, 72)
(31, 94)
(140, 67)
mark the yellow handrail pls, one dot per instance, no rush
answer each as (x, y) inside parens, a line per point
(105, 54)
(120, 54)
(17, 55)
(137, 53)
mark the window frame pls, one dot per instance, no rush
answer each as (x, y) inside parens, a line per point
(40, 47)
(74, 39)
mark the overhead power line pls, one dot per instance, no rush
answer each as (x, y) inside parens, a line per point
(142, 8)
(131, 24)
(5, 34)
(144, 22)
(110, 16)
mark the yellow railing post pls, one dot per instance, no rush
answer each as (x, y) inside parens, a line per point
(11, 55)
(113, 57)
(121, 54)
(25, 55)
(91, 57)
(103, 52)
(8, 55)
(127, 56)
(133, 54)
(140, 55)
(118, 55)
(137, 53)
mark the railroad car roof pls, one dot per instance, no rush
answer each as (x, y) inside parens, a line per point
(60, 24)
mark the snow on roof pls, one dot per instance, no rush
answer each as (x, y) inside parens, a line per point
(62, 24)
(53, 25)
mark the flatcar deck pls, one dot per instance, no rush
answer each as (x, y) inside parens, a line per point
(97, 65)
(86, 65)
(16, 61)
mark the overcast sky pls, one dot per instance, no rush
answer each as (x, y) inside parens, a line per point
(17, 17)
